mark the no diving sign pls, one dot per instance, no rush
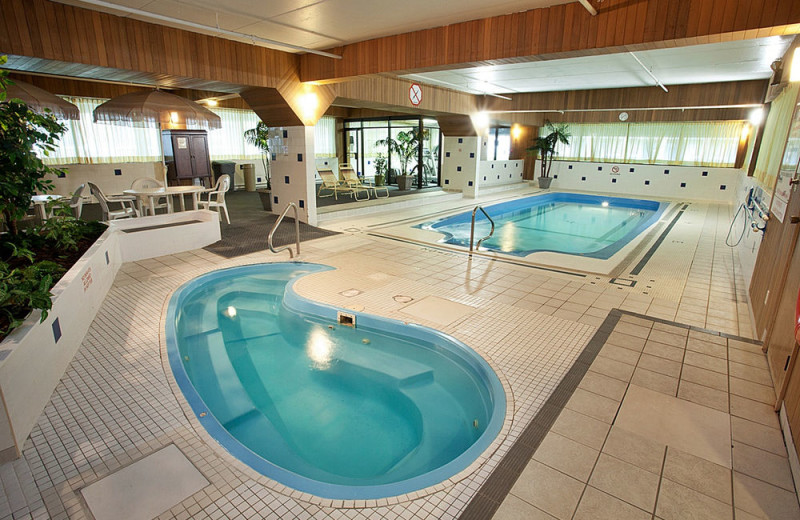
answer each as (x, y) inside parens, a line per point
(415, 94)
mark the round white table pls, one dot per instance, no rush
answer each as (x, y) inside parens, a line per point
(151, 194)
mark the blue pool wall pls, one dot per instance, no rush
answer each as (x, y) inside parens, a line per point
(296, 303)
(537, 200)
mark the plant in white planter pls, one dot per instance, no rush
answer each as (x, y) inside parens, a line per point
(406, 148)
(545, 147)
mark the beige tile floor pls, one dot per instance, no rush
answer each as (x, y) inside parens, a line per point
(115, 404)
(668, 424)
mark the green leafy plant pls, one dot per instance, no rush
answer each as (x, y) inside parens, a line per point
(545, 146)
(406, 147)
(23, 289)
(24, 135)
(259, 137)
(380, 169)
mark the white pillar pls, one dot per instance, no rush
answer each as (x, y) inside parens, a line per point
(460, 164)
(293, 172)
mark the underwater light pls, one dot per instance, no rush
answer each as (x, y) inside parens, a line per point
(604, 204)
(230, 312)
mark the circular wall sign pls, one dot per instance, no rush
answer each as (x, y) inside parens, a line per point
(623, 116)
(615, 169)
(415, 94)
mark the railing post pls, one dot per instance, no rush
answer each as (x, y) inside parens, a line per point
(296, 230)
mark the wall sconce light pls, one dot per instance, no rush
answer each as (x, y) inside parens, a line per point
(309, 102)
(212, 102)
(756, 116)
(173, 117)
(516, 131)
(480, 120)
(745, 132)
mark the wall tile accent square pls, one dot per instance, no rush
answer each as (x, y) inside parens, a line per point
(447, 154)
(302, 203)
(460, 140)
(274, 156)
(117, 171)
(613, 181)
(56, 330)
(722, 187)
(666, 172)
(599, 168)
(632, 170)
(554, 176)
(704, 174)
(469, 183)
(583, 178)
(472, 155)
(484, 177)
(647, 183)
(299, 157)
(447, 181)
(61, 175)
(569, 167)
(683, 185)
(458, 168)
(285, 134)
(275, 199)
(258, 179)
(286, 180)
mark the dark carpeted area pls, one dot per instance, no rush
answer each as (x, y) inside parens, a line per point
(250, 226)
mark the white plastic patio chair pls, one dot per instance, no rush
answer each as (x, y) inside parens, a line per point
(216, 196)
(127, 204)
(76, 202)
(145, 183)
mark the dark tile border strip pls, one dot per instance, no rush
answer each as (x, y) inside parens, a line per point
(655, 246)
(163, 226)
(489, 497)
(501, 260)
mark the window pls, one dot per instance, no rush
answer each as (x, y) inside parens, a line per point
(87, 142)
(498, 145)
(688, 144)
(325, 137)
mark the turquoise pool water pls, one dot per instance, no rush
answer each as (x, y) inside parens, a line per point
(571, 223)
(377, 410)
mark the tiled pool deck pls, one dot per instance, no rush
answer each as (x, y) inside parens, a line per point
(115, 404)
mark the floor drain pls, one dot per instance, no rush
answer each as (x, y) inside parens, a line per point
(350, 293)
(403, 299)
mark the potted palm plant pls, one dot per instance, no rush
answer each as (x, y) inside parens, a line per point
(380, 170)
(406, 147)
(545, 147)
(259, 137)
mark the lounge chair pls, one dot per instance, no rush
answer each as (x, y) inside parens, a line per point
(332, 184)
(216, 196)
(127, 204)
(351, 178)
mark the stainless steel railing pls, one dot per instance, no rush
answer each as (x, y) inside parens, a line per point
(472, 229)
(296, 231)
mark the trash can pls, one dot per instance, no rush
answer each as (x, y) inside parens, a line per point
(249, 171)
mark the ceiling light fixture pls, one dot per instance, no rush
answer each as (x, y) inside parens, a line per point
(756, 116)
(589, 7)
(480, 120)
(253, 39)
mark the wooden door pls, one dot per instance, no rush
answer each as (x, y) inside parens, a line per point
(775, 251)
(183, 155)
(792, 402)
(779, 252)
(200, 162)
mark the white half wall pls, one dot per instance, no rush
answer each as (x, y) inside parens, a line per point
(700, 183)
(293, 172)
(497, 173)
(460, 164)
(111, 178)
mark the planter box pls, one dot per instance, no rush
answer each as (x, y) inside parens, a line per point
(35, 355)
(404, 182)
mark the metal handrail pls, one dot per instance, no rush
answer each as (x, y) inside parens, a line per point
(296, 231)
(472, 229)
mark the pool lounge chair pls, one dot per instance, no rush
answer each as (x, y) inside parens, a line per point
(332, 184)
(351, 178)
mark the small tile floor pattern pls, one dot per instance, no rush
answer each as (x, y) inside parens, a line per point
(114, 405)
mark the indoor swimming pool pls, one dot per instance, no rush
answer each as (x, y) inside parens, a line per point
(339, 406)
(576, 224)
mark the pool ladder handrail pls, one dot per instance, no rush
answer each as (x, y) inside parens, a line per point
(472, 229)
(296, 231)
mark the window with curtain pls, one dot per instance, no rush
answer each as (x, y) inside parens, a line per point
(498, 145)
(776, 130)
(325, 137)
(687, 144)
(86, 142)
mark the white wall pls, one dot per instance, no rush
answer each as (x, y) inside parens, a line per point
(497, 173)
(104, 176)
(460, 164)
(293, 173)
(699, 183)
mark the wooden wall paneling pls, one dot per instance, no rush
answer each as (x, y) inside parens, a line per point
(271, 107)
(558, 31)
(792, 402)
(456, 125)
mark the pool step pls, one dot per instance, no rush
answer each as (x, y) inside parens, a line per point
(405, 372)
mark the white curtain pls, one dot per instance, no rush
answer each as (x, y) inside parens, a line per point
(228, 142)
(325, 137)
(86, 142)
(688, 144)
